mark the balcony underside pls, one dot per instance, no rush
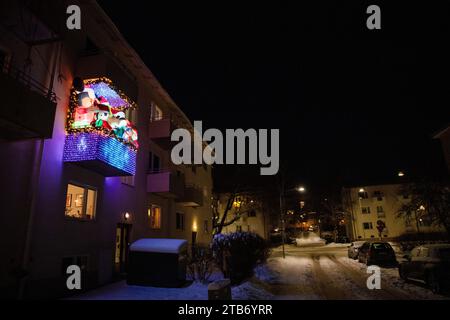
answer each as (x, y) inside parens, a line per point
(192, 197)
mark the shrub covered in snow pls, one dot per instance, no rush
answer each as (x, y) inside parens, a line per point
(237, 254)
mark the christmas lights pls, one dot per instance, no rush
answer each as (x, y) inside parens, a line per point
(89, 146)
(96, 127)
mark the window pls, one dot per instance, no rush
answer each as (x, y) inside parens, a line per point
(180, 221)
(154, 214)
(365, 210)
(379, 195)
(238, 228)
(154, 162)
(81, 202)
(252, 213)
(206, 226)
(156, 113)
(367, 226)
(363, 195)
(128, 180)
(380, 209)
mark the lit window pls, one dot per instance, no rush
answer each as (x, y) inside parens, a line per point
(154, 214)
(81, 202)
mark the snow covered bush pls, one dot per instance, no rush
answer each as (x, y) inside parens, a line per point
(200, 264)
(237, 254)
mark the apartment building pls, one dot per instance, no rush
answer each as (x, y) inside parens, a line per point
(85, 147)
(366, 205)
(253, 214)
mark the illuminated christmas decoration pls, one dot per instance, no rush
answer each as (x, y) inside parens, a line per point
(91, 146)
(98, 132)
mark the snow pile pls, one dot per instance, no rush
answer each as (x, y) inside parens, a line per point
(159, 245)
(338, 245)
(310, 239)
(250, 291)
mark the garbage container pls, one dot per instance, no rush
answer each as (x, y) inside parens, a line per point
(157, 262)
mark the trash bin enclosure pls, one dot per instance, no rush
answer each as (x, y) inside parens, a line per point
(157, 262)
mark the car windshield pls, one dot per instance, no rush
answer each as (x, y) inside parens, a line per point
(381, 246)
(444, 254)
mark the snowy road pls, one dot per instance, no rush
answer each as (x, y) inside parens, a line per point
(307, 273)
(325, 272)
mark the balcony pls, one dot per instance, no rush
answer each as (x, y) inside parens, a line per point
(167, 184)
(28, 107)
(160, 132)
(97, 64)
(193, 197)
(103, 154)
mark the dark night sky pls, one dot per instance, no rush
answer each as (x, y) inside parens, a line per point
(351, 104)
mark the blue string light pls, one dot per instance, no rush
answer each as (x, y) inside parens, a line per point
(94, 146)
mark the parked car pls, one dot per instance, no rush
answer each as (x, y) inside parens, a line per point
(353, 250)
(380, 253)
(429, 264)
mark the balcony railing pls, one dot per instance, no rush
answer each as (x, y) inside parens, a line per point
(193, 197)
(166, 183)
(28, 107)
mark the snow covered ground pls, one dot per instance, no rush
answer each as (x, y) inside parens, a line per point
(307, 273)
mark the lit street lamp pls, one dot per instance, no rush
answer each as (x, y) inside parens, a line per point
(300, 189)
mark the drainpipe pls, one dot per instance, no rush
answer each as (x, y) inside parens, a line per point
(33, 192)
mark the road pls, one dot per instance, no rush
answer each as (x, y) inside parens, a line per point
(325, 272)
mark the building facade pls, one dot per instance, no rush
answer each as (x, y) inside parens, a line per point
(253, 214)
(85, 145)
(365, 206)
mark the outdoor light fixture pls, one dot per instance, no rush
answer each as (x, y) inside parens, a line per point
(301, 189)
(361, 190)
(401, 174)
(126, 216)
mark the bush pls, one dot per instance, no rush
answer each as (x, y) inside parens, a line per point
(200, 264)
(237, 254)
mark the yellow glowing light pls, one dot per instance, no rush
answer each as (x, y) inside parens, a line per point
(194, 226)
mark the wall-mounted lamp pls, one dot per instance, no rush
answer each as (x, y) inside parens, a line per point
(126, 216)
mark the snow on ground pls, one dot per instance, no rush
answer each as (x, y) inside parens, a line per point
(391, 278)
(309, 239)
(338, 245)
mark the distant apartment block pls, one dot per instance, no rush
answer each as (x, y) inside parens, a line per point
(366, 205)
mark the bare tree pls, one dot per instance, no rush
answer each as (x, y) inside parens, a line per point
(427, 200)
(236, 206)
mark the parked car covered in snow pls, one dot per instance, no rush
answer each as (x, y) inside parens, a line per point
(353, 250)
(429, 264)
(380, 253)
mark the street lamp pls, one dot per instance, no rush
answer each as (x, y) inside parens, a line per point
(300, 189)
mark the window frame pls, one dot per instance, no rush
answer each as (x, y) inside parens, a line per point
(182, 221)
(86, 189)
